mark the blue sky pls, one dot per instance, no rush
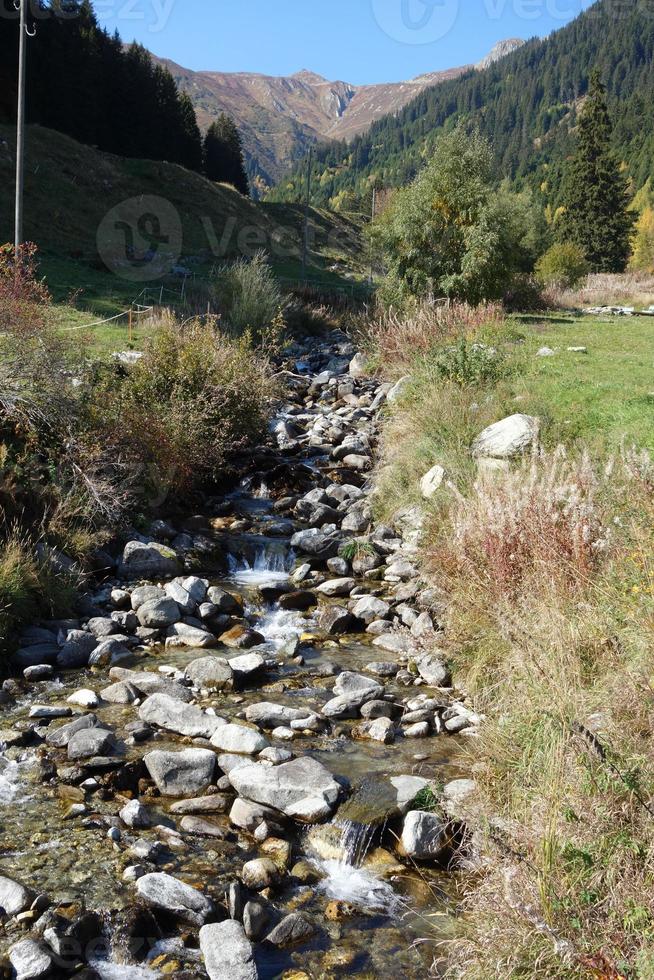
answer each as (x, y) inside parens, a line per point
(354, 40)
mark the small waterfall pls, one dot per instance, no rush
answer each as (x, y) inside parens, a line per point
(12, 779)
(270, 566)
(356, 841)
(281, 627)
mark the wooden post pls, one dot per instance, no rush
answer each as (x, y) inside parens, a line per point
(130, 325)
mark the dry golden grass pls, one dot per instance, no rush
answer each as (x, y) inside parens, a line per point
(606, 289)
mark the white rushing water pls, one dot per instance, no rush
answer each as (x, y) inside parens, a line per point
(358, 886)
(270, 567)
(281, 625)
(12, 780)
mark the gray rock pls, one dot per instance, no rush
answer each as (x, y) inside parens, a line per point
(120, 693)
(147, 682)
(407, 788)
(215, 803)
(434, 671)
(269, 715)
(102, 626)
(31, 960)
(14, 897)
(239, 739)
(227, 952)
(162, 891)
(76, 650)
(112, 650)
(135, 815)
(39, 672)
(225, 602)
(424, 835)
(210, 674)
(246, 666)
(377, 730)
(185, 635)
(60, 737)
(255, 920)
(181, 773)
(398, 390)
(294, 928)
(336, 587)
(260, 873)
(351, 685)
(187, 592)
(176, 716)
(432, 481)
(247, 815)
(303, 788)
(145, 593)
(36, 654)
(508, 438)
(336, 620)
(369, 609)
(151, 560)
(159, 613)
(316, 542)
(90, 742)
(200, 827)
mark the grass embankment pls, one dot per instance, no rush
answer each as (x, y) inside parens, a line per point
(549, 580)
(70, 188)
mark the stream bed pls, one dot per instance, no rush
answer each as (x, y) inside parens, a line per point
(288, 559)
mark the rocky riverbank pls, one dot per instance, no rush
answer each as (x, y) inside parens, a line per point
(239, 760)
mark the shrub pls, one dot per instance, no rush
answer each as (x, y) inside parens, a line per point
(563, 265)
(470, 364)
(193, 399)
(24, 299)
(249, 297)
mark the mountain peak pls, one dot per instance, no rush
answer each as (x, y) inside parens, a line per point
(499, 50)
(310, 77)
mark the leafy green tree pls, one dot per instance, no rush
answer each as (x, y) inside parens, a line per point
(594, 196)
(223, 155)
(449, 233)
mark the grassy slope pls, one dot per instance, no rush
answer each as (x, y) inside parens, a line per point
(597, 400)
(564, 641)
(71, 187)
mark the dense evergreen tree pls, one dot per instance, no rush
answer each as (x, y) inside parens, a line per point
(223, 155)
(594, 195)
(83, 82)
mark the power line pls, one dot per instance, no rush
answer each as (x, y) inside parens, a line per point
(20, 124)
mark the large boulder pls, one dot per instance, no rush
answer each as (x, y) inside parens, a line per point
(31, 960)
(369, 609)
(147, 682)
(316, 542)
(14, 897)
(210, 674)
(159, 613)
(510, 437)
(148, 560)
(187, 592)
(76, 650)
(89, 742)
(176, 716)
(162, 891)
(303, 788)
(185, 773)
(424, 836)
(227, 952)
(239, 739)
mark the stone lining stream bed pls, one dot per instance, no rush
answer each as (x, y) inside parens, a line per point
(217, 775)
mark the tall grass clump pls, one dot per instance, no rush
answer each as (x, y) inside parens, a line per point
(29, 588)
(396, 338)
(195, 398)
(249, 297)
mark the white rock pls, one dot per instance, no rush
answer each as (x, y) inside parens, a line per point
(239, 739)
(85, 697)
(508, 438)
(432, 481)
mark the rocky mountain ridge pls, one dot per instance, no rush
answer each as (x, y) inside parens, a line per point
(280, 117)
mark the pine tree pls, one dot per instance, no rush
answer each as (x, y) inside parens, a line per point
(223, 155)
(594, 193)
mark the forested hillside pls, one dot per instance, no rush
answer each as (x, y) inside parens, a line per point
(83, 82)
(526, 103)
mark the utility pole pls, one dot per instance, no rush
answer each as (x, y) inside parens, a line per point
(20, 124)
(305, 247)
